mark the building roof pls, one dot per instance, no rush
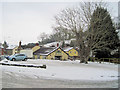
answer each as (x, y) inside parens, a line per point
(1, 46)
(47, 50)
(60, 43)
(44, 50)
(52, 44)
(26, 47)
(56, 49)
(11, 46)
(67, 48)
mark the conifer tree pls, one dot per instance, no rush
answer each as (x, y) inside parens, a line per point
(102, 36)
(63, 44)
(5, 45)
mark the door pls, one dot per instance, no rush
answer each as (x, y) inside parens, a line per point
(17, 57)
(20, 57)
(57, 57)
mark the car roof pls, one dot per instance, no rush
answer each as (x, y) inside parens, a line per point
(20, 54)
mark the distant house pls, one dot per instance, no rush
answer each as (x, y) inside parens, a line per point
(28, 50)
(33, 47)
(55, 53)
(67, 43)
(1, 49)
(11, 50)
(55, 44)
(73, 53)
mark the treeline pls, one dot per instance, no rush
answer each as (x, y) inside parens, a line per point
(91, 25)
(57, 36)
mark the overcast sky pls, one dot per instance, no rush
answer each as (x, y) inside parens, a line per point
(26, 20)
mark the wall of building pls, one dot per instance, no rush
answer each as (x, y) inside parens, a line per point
(28, 52)
(9, 51)
(15, 50)
(63, 55)
(73, 52)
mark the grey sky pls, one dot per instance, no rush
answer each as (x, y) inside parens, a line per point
(26, 20)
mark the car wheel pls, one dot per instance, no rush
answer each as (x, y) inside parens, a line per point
(13, 59)
(25, 59)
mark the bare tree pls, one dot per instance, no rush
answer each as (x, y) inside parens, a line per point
(42, 36)
(77, 20)
(63, 34)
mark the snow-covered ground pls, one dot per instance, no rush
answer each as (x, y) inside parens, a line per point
(71, 70)
(64, 70)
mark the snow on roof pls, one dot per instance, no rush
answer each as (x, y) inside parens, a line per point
(44, 50)
(53, 43)
(53, 50)
(67, 41)
(11, 46)
(1, 46)
(60, 43)
(67, 48)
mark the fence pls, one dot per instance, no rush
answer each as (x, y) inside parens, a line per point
(110, 60)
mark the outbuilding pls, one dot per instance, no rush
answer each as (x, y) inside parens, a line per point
(73, 53)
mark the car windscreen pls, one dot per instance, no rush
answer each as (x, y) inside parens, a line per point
(22, 55)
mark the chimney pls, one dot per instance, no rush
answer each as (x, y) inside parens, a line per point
(2, 51)
(20, 44)
(57, 44)
(19, 47)
(37, 44)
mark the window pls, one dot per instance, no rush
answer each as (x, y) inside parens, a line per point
(75, 52)
(58, 51)
(16, 55)
(22, 55)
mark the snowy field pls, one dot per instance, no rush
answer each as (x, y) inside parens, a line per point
(63, 73)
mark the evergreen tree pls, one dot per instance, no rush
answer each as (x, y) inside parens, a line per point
(102, 35)
(118, 26)
(5, 45)
(63, 44)
(73, 43)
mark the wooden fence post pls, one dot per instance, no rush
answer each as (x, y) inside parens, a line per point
(103, 60)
